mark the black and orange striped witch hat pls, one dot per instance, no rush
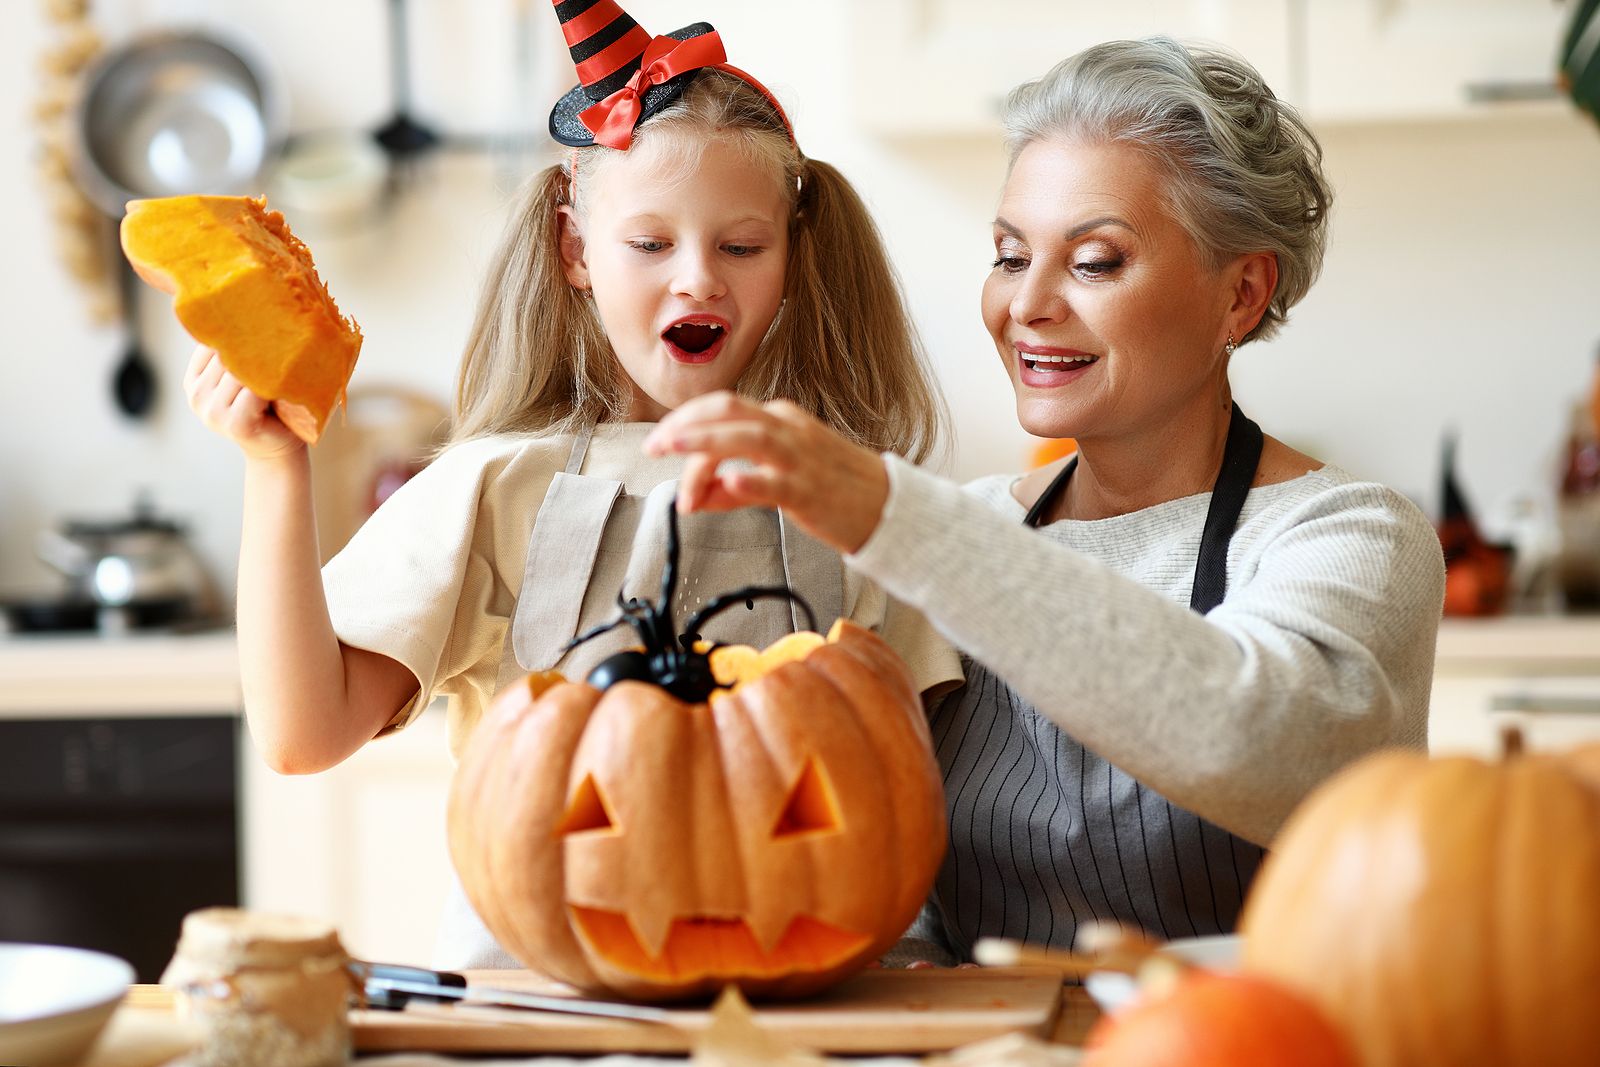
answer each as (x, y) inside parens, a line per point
(625, 75)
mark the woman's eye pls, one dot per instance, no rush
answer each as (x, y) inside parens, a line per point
(1010, 264)
(1096, 268)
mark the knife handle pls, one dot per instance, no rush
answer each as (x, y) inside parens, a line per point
(378, 995)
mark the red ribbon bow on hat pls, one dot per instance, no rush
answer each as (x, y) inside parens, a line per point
(612, 120)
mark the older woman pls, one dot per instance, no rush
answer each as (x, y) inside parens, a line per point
(1173, 636)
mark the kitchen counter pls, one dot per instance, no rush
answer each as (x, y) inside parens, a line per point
(1548, 642)
(177, 674)
(133, 675)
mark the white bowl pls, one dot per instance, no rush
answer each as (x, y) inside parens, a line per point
(1113, 991)
(54, 1001)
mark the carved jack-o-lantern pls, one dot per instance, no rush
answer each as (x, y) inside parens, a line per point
(778, 831)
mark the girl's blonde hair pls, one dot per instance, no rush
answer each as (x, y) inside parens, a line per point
(842, 345)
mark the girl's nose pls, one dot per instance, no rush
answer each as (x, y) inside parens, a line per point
(697, 276)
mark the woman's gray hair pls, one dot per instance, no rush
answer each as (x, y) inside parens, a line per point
(1245, 173)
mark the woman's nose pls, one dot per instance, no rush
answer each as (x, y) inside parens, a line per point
(1038, 299)
(697, 275)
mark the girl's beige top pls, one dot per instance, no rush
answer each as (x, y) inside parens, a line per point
(483, 566)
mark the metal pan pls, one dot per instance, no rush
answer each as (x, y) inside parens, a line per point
(176, 112)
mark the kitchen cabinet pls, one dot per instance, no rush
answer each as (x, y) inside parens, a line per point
(361, 845)
(943, 67)
(1539, 674)
(1367, 60)
(928, 67)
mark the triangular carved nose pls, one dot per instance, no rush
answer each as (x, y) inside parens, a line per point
(811, 808)
(586, 811)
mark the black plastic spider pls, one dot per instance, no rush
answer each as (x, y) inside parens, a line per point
(670, 660)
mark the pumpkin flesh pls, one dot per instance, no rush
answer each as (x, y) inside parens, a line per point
(245, 286)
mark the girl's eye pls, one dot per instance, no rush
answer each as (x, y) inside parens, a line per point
(1010, 264)
(741, 250)
(645, 244)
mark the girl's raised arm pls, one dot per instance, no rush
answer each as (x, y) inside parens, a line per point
(310, 700)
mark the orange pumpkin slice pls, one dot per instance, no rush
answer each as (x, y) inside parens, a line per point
(246, 287)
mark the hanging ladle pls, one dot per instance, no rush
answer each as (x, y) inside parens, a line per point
(133, 384)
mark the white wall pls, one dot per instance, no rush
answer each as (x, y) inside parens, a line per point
(1459, 289)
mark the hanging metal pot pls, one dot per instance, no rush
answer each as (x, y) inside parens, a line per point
(166, 114)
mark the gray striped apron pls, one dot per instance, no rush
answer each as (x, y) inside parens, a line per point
(1044, 834)
(585, 518)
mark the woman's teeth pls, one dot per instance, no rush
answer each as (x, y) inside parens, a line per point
(1056, 363)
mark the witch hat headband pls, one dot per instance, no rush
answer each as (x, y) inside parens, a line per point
(625, 75)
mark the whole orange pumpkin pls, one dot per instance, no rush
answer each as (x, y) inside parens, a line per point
(778, 835)
(1445, 911)
(1212, 1019)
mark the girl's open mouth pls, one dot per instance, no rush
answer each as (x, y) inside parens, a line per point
(695, 340)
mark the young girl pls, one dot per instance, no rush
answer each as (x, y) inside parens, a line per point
(693, 248)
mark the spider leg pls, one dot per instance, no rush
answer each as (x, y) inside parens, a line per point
(593, 632)
(754, 592)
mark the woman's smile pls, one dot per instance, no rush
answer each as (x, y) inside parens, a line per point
(1047, 366)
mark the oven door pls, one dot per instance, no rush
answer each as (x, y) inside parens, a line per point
(111, 830)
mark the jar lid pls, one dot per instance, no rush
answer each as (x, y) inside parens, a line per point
(216, 942)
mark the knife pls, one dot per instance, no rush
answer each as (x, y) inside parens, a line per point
(390, 986)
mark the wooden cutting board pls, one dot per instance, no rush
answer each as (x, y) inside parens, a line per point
(877, 1011)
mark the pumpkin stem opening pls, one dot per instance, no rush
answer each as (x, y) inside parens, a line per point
(669, 660)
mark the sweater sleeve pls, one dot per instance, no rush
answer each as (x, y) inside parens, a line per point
(1321, 654)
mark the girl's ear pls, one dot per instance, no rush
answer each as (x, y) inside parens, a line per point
(571, 242)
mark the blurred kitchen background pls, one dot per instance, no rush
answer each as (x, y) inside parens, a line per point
(1459, 290)
(1461, 296)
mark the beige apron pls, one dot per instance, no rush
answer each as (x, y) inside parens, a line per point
(590, 530)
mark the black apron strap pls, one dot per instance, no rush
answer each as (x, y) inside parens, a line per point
(1051, 494)
(1240, 457)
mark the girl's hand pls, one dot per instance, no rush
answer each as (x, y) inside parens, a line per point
(833, 488)
(229, 409)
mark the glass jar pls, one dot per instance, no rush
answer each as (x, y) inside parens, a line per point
(264, 989)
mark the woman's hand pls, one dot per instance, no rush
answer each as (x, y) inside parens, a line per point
(229, 409)
(833, 488)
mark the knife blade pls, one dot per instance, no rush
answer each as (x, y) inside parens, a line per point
(389, 986)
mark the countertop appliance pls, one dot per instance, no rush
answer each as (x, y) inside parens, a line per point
(127, 573)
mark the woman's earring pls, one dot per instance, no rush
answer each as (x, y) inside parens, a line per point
(1231, 345)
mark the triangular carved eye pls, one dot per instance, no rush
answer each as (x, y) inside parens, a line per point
(587, 810)
(810, 808)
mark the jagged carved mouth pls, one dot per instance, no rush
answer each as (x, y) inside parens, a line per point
(702, 946)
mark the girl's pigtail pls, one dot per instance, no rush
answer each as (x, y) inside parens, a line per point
(854, 358)
(537, 360)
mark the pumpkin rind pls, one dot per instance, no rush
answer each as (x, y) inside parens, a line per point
(246, 287)
(681, 873)
(1211, 1019)
(1445, 910)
